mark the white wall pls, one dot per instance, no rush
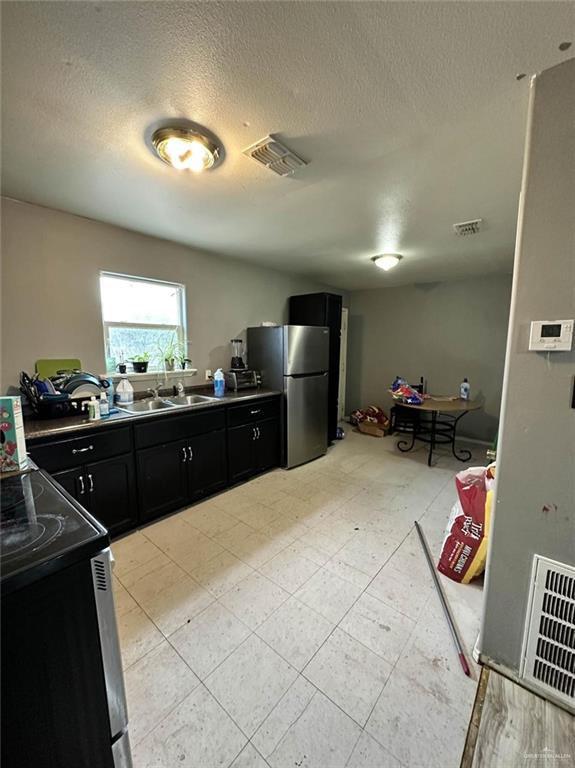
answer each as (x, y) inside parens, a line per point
(50, 289)
(535, 496)
(441, 331)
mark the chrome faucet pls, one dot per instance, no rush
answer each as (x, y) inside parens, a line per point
(154, 391)
(179, 388)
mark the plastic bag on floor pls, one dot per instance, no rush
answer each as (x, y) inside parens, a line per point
(464, 549)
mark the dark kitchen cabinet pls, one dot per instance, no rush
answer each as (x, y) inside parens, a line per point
(208, 465)
(174, 474)
(111, 489)
(106, 489)
(254, 446)
(241, 453)
(162, 478)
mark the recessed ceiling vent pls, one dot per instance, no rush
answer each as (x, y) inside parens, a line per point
(274, 155)
(468, 227)
(549, 641)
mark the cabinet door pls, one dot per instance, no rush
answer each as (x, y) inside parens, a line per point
(241, 452)
(72, 480)
(111, 487)
(163, 478)
(208, 465)
(267, 444)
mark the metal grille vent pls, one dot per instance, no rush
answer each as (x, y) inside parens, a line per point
(99, 574)
(468, 227)
(274, 155)
(549, 643)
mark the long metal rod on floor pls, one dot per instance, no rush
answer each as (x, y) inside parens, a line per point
(443, 600)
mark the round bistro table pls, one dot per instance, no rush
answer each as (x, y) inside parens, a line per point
(440, 429)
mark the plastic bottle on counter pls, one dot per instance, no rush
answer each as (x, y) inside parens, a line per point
(110, 396)
(124, 392)
(219, 383)
(93, 408)
(104, 406)
(464, 390)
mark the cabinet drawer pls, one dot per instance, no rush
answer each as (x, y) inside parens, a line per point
(157, 431)
(254, 411)
(63, 454)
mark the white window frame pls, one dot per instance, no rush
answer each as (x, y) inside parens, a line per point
(180, 330)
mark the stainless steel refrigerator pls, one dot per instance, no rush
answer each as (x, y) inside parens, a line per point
(294, 359)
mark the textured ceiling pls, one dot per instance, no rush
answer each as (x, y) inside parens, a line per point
(409, 114)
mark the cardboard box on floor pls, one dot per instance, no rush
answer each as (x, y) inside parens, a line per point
(369, 428)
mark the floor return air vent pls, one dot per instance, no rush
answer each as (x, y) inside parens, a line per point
(549, 640)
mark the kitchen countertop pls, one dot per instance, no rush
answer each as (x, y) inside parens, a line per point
(35, 428)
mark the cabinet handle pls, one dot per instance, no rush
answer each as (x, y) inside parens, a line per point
(82, 450)
(81, 481)
(253, 433)
(190, 453)
(259, 435)
(258, 410)
(91, 481)
(185, 454)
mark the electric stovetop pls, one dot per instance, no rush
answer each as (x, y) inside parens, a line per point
(42, 529)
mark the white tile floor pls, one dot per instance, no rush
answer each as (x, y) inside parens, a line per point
(291, 622)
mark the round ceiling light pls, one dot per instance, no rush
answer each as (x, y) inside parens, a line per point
(185, 149)
(387, 261)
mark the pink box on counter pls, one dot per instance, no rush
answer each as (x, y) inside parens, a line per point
(12, 439)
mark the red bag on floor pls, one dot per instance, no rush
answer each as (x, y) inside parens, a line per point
(464, 548)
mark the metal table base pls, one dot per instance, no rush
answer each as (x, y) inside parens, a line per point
(439, 429)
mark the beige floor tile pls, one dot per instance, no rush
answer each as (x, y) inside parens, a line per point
(154, 686)
(299, 547)
(209, 638)
(329, 595)
(347, 572)
(257, 515)
(203, 549)
(254, 599)
(368, 551)
(295, 631)
(209, 518)
(221, 573)
(172, 532)
(322, 736)
(321, 541)
(379, 627)
(289, 570)
(288, 709)
(368, 753)
(170, 597)
(233, 536)
(133, 576)
(123, 600)
(249, 757)
(250, 682)
(256, 549)
(415, 727)
(132, 551)
(348, 673)
(402, 590)
(138, 635)
(196, 734)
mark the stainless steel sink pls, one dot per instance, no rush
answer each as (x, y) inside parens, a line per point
(146, 406)
(190, 399)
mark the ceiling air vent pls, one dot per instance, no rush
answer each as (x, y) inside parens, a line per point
(549, 642)
(274, 155)
(468, 227)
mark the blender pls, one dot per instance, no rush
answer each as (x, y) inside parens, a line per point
(237, 363)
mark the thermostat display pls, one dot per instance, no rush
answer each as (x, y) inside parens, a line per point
(551, 335)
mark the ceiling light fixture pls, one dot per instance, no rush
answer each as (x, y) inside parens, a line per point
(387, 261)
(186, 149)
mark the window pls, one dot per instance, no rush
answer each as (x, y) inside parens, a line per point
(141, 317)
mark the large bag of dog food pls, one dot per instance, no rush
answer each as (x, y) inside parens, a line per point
(464, 550)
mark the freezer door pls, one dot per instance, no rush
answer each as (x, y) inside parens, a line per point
(306, 349)
(306, 418)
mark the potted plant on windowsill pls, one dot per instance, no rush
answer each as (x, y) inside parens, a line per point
(140, 363)
(169, 353)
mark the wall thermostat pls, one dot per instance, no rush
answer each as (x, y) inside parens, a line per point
(551, 335)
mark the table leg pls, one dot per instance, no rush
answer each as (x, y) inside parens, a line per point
(463, 454)
(432, 437)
